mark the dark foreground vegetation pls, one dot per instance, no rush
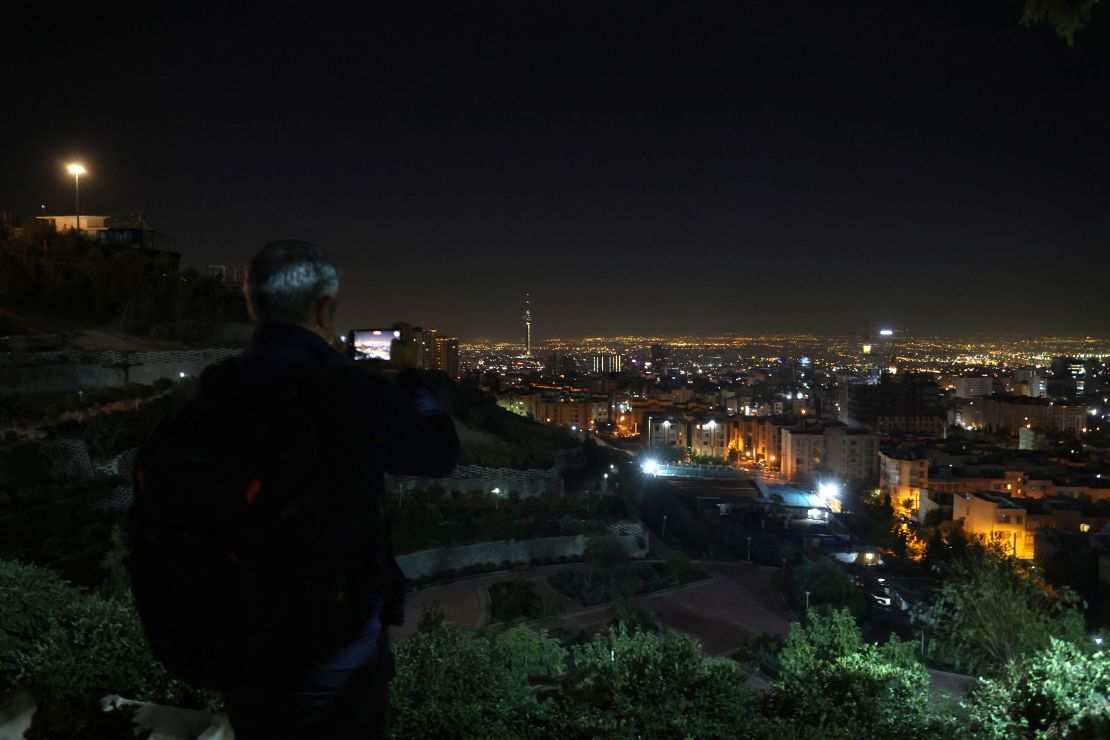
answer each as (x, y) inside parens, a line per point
(70, 647)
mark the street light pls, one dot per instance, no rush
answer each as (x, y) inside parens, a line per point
(76, 170)
(663, 531)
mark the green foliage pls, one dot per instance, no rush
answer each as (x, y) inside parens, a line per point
(1065, 16)
(992, 611)
(515, 600)
(613, 583)
(454, 683)
(678, 566)
(833, 684)
(820, 641)
(66, 275)
(827, 583)
(762, 653)
(1058, 692)
(605, 553)
(60, 525)
(30, 598)
(529, 655)
(69, 648)
(628, 612)
(431, 518)
(634, 685)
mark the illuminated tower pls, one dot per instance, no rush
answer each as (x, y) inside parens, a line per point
(528, 324)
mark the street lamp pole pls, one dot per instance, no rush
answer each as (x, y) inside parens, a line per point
(807, 601)
(663, 531)
(76, 170)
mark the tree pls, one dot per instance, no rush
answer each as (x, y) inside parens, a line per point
(832, 684)
(993, 610)
(678, 566)
(1066, 16)
(454, 683)
(631, 684)
(1061, 691)
(605, 554)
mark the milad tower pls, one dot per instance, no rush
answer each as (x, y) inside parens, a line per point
(527, 324)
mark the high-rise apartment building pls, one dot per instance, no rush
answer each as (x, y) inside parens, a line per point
(903, 404)
(607, 363)
(446, 355)
(1008, 414)
(659, 355)
(424, 339)
(837, 451)
(974, 387)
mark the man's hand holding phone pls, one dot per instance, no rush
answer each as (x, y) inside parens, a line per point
(403, 351)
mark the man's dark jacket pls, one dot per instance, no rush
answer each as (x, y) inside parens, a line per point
(375, 425)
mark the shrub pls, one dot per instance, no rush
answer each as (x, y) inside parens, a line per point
(1058, 692)
(515, 600)
(454, 683)
(834, 685)
(69, 648)
(992, 611)
(631, 684)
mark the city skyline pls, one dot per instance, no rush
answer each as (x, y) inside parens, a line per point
(656, 169)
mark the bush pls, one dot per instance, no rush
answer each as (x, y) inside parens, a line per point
(69, 648)
(454, 683)
(1059, 692)
(992, 611)
(626, 581)
(827, 583)
(834, 685)
(631, 684)
(515, 600)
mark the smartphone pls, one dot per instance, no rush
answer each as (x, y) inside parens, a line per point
(372, 344)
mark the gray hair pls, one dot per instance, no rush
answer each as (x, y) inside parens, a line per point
(285, 280)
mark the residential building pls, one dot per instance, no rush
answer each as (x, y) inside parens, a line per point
(997, 519)
(836, 451)
(1007, 414)
(896, 404)
(445, 355)
(759, 438)
(973, 387)
(606, 363)
(903, 473)
(1014, 522)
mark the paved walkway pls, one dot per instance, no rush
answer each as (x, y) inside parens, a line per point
(735, 603)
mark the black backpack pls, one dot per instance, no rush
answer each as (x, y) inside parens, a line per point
(256, 549)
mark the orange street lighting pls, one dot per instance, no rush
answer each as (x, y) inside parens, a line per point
(76, 170)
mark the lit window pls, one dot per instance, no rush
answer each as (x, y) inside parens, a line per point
(1084, 527)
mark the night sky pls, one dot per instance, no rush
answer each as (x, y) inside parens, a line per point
(640, 167)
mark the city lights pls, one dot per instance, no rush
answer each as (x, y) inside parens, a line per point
(830, 492)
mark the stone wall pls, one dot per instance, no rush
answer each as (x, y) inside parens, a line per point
(424, 563)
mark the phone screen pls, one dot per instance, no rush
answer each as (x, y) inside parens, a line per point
(373, 344)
